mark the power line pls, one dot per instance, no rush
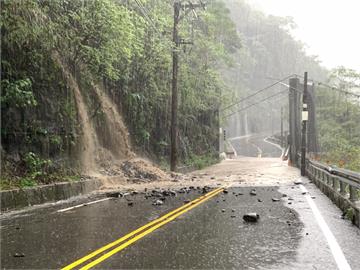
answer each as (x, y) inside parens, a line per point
(253, 104)
(259, 91)
(145, 12)
(337, 89)
(332, 87)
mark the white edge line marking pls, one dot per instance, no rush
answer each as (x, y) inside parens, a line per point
(276, 145)
(81, 205)
(333, 244)
(232, 147)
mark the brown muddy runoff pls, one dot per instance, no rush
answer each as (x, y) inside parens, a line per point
(116, 164)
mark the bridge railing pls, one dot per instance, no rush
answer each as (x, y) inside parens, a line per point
(340, 185)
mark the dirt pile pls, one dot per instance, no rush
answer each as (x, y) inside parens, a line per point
(139, 170)
(132, 171)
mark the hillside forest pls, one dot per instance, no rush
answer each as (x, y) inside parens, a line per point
(69, 68)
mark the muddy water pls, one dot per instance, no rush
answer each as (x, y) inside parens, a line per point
(89, 138)
(118, 136)
(94, 157)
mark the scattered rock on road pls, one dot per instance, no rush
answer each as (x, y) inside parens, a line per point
(19, 255)
(158, 202)
(253, 192)
(113, 194)
(251, 217)
(275, 199)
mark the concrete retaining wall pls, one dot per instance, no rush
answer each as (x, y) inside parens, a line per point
(19, 198)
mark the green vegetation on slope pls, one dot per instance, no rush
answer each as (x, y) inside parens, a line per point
(338, 120)
(112, 43)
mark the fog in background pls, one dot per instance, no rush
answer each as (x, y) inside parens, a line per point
(329, 28)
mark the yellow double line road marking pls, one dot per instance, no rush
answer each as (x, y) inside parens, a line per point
(140, 233)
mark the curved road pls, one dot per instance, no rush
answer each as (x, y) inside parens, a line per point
(254, 145)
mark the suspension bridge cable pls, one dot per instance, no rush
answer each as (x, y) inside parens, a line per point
(259, 91)
(260, 101)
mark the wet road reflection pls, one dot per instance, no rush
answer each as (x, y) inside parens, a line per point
(205, 237)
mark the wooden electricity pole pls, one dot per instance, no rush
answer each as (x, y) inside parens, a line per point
(303, 131)
(174, 89)
(282, 126)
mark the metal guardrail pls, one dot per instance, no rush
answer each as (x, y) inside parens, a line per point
(346, 182)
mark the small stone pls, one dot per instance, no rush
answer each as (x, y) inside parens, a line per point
(233, 210)
(289, 202)
(17, 228)
(290, 199)
(212, 178)
(19, 255)
(275, 199)
(313, 197)
(253, 192)
(251, 217)
(304, 193)
(223, 210)
(130, 203)
(224, 200)
(134, 192)
(186, 201)
(298, 182)
(233, 216)
(260, 200)
(240, 194)
(225, 191)
(284, 195)
(113, 194)
(158, 202)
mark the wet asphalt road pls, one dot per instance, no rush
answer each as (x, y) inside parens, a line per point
(254, 146)
(206, 237)
(287, 235)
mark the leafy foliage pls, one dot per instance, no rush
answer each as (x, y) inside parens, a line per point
(338, 121)
(17, 93)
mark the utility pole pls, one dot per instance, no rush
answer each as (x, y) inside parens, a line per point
(282, 126)
(174, 90)
(303, 131)
(293, 119)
